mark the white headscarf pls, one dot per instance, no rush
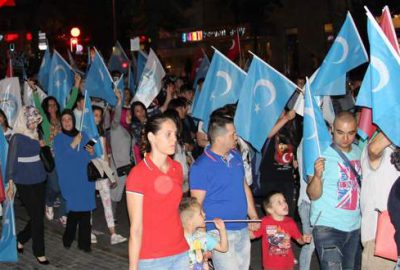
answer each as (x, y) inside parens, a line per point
(26, 116)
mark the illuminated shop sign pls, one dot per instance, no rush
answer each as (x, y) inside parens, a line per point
(201, 35)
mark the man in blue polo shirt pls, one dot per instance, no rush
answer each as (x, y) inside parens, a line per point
(217, 181)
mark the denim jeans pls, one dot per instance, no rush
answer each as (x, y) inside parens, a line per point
(175, 262)
(308, 249)
(53, 191)
(336, 249)
(238, 255)
(397, 264)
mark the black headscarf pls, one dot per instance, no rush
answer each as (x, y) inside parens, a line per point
(73, 132)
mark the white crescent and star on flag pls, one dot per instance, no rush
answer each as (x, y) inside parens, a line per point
(345, 46)
(58, 82)
(262, 83)
(383, 72)
(228, 80)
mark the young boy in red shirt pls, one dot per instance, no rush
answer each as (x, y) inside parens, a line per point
(276, 231)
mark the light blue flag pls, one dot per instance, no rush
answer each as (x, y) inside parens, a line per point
(316, 137)
(202, 71)
(336, 86)
(195, 98)
(8, 241)
(61, 79)
(383, 80)
(364, 97)
(121, 83)
(98, 81)
(263, 97)
(222, 86)
(3, 154)
(150, 83)
(89, 126)
(118, 59)
(141, 63)
(44, 71)
(346, 53)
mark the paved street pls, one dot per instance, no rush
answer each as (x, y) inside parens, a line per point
(104, 256)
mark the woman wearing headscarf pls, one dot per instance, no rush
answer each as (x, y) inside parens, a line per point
(72, 155)
(50, 110)
(26, 171)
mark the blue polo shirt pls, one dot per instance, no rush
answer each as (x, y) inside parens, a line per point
(223, 182)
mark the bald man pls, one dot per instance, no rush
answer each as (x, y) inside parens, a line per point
(334, 193)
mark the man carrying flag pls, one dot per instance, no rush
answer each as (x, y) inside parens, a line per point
(334, 192)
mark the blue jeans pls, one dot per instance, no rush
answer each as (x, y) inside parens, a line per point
(53, 191)
(336, 249)
(397, 264)
(175, 262)
(308, 249)
(238, 255)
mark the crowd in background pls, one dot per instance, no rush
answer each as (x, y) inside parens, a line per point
(161, 153)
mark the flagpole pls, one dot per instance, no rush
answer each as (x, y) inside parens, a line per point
(240, 48)
(236, 221)
(83, 115)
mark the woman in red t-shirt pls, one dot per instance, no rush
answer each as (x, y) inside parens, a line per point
(154, 190)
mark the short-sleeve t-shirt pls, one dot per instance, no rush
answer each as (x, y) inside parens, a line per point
(223, 182)
(199, 243)
(276, 241)
(339, 205)
(162, 192)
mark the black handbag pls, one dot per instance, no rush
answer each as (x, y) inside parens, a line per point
(124, 170)
(93, 173)
(47, 158)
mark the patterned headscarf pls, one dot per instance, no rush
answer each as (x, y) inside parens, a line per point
(26, 116)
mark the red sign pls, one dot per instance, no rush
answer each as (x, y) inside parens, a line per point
(7, 3)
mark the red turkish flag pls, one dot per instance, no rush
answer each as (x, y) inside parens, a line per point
(197, 59)
(388, 28)
(234, 50)
(386, 23)
(7, 3)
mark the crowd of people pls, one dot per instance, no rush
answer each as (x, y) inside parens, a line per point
(201, 186)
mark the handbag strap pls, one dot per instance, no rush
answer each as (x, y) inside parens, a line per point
(348, 163)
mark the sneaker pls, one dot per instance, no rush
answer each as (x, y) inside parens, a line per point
(63, 220)
(49, 213)
(117, 238)
(93, 238)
